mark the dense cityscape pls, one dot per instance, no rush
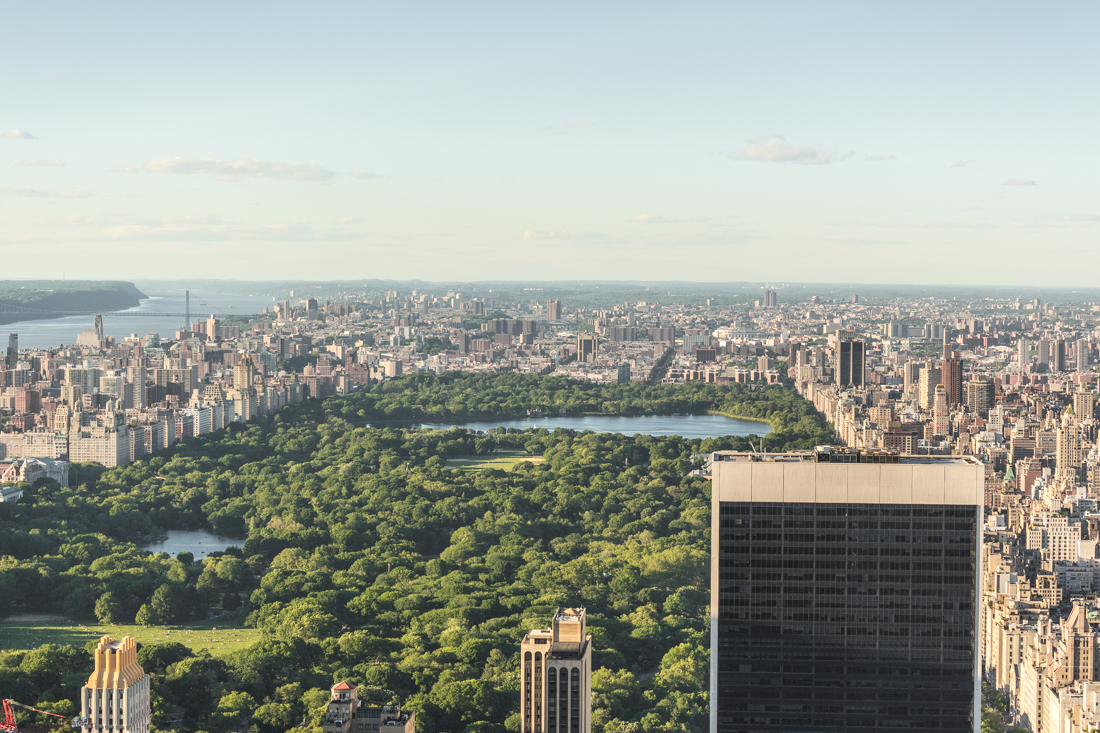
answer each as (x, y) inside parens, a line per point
(997, 386)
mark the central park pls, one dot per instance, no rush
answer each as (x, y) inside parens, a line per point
(407, 561)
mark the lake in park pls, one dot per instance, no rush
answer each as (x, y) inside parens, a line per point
(686, 426)
(196, 541)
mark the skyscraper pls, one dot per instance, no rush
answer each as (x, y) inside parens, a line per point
(952, 377)
(929, 377)
(844, 591)
(939, 411)
(1084, 346)
(116, 697)
(1058, 356)
(1024, 352)
(553, 310)
(13, 351)
(556, 676)
(850, 363)
(587, 347)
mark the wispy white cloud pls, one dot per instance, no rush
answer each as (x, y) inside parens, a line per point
(581, 123)
(208, 228)
(944, 224)
(235, 169)
(35, 193)
(17, 135)
(652, 219)
(1020, 182)
(41, 163)
(774, 149)
(961, 163)
(366, 175)
(881, 156)
(563, 235)
(1071, 217)
(849, 154)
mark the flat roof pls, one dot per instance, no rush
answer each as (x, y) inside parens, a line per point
(844, 455)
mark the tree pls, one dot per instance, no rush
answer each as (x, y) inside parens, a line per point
(147, 616)
(107, 608)
(236, 708)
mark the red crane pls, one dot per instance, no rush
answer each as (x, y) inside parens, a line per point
(8, 725)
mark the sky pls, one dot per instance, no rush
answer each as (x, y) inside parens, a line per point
(737, 141)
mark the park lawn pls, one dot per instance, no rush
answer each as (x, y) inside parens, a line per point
(18, 633)
(502, 460)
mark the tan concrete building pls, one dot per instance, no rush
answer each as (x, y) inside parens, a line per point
(556, 676)
(116, 697)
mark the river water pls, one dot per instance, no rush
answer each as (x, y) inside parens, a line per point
(686, 426)
(55, 331)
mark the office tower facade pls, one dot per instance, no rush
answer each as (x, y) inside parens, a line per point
(1084, 403)
(1058, 355)
(553, 310)
(1023, 353)
(116, 697)
(939, 411)
(951, 375)
(1084, 349)
(844, 592)
(12, 355)
(1044, 351)
(771, 300)
(980, 395)
(850, 363)
(99, 326)
(1068, 446)
(588, 346)
(556, 676)
(929, 378)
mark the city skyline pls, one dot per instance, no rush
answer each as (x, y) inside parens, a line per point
(864, 144)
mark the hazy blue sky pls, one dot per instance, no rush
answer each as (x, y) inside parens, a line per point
(882, 142)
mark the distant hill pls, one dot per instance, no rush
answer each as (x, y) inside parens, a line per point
(64, 295)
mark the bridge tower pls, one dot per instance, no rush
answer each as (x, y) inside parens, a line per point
(187, 309)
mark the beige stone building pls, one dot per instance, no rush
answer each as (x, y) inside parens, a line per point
(116, 697)
(347, 714)
(556, 676)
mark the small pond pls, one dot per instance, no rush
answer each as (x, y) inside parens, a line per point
(198, 542)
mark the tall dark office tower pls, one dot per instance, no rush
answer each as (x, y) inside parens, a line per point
(13, 351)
(952, 375)
(844, 592)
(850, 364)
(1058, 356)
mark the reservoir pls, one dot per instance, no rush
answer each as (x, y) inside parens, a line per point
(196, 541)
(686, 426)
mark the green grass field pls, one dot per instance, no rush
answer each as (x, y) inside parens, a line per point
(21, 633)
(502, 460)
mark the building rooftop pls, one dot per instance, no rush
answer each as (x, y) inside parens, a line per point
(835, 454)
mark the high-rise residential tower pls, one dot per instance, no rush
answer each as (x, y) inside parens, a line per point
(845, 592)
(849, 369)
(116, 698)
(12, 355)
(556, 676)
(951, 375)
(553, 310)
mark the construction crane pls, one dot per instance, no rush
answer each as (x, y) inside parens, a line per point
(8, 725)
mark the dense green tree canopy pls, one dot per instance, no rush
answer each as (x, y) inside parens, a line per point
(366, 558)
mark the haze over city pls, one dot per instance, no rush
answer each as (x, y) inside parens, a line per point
(810, 142)
(561, 368)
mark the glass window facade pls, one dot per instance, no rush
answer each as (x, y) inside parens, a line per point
(845, 617)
